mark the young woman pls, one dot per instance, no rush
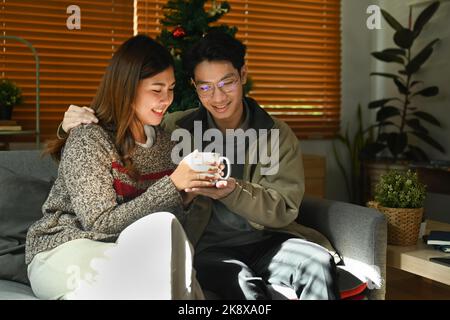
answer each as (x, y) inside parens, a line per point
(111, 221)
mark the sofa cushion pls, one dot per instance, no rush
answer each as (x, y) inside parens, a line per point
(10, 290)
(21, 201)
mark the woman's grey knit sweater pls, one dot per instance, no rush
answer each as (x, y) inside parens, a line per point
(94, 197)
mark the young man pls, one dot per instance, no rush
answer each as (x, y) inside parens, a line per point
(244, 232)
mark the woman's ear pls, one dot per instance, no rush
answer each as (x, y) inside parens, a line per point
(244, 72)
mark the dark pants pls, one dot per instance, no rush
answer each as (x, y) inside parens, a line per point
(243, 272)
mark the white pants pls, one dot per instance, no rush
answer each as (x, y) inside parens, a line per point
(151, 259)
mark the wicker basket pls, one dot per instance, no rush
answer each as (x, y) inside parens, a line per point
(403, 224)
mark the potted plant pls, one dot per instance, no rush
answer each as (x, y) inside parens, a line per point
(10, 95)
(353, 144)
(401, 196)
(399, 118)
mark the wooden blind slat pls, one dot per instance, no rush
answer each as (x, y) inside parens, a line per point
(293, 54)
(72, 62)
(293, 57)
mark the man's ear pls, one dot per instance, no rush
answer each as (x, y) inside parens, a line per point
(244, 72)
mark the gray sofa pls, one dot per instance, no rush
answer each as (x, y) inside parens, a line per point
(357, 233)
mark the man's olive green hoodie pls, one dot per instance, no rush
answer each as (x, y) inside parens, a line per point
(268, 202)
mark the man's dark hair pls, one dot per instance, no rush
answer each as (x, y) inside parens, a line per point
(215, 46)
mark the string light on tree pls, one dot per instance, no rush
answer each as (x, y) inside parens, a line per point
(223, 8)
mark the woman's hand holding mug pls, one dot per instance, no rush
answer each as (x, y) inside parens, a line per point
(190, 174)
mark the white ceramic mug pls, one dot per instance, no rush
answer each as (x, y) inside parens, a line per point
(201, 161)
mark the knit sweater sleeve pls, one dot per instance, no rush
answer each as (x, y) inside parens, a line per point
(86, 169)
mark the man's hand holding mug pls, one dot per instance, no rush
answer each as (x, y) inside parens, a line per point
(200, 161)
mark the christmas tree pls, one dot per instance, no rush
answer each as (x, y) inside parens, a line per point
(184, 23)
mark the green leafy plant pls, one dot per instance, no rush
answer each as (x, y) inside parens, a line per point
(10, 94)
(398, 189)
(401, 116)
(353, 146)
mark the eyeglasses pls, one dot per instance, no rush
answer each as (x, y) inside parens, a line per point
(207, 89)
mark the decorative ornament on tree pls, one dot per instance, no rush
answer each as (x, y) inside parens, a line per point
(178, 32)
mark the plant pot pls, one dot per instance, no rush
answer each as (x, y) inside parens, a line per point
(403, 223)
(6, 112)
(372, 172)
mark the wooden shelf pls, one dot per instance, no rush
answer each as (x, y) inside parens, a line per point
(16, 132)
(415, 259)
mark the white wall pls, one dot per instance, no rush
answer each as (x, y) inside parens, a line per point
(357, 43)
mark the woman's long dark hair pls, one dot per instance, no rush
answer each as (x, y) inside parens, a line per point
(138, 58)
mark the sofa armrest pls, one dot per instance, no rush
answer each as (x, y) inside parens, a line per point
(358, 233)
